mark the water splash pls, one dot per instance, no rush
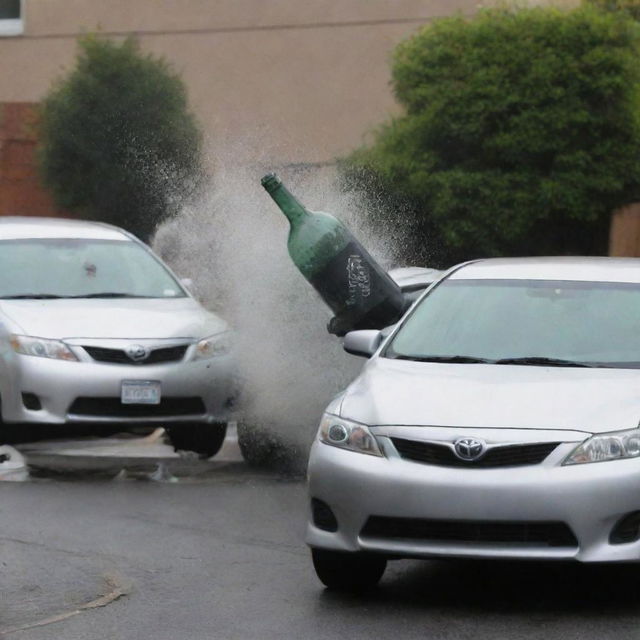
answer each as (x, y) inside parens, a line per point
(233, 246)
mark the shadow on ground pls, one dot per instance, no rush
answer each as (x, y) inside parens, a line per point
(491, 587)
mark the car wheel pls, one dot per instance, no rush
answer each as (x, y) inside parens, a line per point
(348, 571)
(262, 448)
(204, 439)
(258, 445)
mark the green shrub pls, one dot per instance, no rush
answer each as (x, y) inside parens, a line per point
(631, 7)
(117, 143)
(520, 134)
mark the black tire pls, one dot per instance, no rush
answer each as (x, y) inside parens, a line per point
(263, 448)
(204, 439)
(350, 572)
(259, 446)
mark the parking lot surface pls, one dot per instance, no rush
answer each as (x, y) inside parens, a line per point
(219, 553)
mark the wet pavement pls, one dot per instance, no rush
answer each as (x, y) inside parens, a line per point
(54, 583)
(94, 552)
(98, 544)
(124, 456)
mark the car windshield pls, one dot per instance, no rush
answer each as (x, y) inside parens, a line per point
(524, 322)
(70, 268)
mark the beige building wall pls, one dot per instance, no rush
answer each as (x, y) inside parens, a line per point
(273, 81)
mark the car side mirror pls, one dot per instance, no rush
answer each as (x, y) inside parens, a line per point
(362, 343)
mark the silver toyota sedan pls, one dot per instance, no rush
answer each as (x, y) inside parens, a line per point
(97, 333)
(499, 419)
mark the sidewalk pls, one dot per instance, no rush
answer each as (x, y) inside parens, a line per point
(111, 456)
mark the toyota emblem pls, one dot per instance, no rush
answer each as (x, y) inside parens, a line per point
(469, 449)
(137, 352)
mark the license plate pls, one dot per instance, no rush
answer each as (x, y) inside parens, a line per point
(140, 392)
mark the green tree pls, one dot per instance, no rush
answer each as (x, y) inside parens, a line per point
(117, 142)
(520, 134)
(631, 7)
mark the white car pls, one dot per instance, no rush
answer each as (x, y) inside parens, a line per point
(97, 333)
(413, 281)
(498, 420)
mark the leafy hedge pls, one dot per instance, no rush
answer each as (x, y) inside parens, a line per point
(631, 7)
(520, 134)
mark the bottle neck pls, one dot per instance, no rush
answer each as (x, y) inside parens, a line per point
(290, 206)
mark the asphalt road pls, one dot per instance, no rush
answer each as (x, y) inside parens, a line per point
(219, 555)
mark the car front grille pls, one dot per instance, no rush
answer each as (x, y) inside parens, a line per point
(546, 534)
(119, 356)
(113, 408)
(500, 456)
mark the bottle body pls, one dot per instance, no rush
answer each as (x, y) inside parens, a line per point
(354, 286)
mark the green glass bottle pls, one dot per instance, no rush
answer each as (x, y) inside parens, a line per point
(341, 270)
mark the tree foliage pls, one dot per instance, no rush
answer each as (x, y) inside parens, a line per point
(520, 133)
(117, 142)
(630, 7)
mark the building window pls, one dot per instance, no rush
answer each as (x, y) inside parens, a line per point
(11, 17)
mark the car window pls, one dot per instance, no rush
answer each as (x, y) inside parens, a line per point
(593, 322)
(82, 267)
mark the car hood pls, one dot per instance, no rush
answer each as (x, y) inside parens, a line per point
(393, 392)
(135, 318)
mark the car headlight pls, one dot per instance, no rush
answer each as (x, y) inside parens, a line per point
(213, 346)
(41, 348)
(347, 435)
(617, 445)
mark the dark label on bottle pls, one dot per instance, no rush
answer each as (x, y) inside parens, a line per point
(358, 279)
(354, 286)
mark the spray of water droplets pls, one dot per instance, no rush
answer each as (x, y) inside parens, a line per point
(233, 245)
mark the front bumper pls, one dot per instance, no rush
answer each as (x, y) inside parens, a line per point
(590, 499)
(58, 384)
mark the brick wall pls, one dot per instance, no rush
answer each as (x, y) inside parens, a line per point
(20, 190)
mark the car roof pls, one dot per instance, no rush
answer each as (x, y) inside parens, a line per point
(414, 278)
(595, 269)
(23, 227)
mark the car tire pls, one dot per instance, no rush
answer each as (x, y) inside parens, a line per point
(349, 572)
(204, 439)
(263, 448)
(259, 446)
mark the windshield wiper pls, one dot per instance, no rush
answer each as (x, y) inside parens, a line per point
(109, 294)
(32, 296)
(544, 362)
(452, 359)
(526, 360)
(51, 296)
